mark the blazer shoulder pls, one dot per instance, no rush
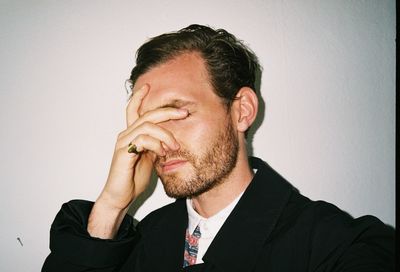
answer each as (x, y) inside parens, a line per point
(340, 240)
(322, 215)
(172, 211)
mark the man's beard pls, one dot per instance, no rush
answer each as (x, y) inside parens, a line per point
(210, 168)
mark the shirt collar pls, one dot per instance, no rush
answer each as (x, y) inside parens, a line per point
(213, 223)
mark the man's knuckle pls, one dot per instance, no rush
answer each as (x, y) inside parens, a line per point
(140, 139)
(120, 135)
(146, 124)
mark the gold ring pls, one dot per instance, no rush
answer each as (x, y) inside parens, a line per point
(133, 149)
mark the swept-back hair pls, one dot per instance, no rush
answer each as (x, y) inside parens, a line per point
(231, 64)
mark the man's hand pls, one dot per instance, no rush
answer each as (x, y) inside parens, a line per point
(130, 173)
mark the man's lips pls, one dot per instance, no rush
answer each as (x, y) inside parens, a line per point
(172, 164)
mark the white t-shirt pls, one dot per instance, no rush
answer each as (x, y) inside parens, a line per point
(209, 227)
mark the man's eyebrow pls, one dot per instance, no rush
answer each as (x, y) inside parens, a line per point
(177, 103)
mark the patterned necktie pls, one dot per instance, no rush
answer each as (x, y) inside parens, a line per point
(191, 247)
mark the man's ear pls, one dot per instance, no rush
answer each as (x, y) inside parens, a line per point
(245, 107)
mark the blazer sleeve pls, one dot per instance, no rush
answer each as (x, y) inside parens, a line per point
(74, 250)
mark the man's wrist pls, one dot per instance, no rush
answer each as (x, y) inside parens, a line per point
(105, 219)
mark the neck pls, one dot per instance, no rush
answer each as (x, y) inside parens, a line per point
(211, 202)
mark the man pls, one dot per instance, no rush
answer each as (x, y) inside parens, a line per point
(193, 101)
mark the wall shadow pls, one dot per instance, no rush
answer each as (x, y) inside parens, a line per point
(260, 115)
(138, 202)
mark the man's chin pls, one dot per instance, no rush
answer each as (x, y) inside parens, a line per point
(176, 185)
(175, 191)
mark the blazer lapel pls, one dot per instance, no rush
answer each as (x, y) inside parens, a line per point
(243, 235)
(164, 244)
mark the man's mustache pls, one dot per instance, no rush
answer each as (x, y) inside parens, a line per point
(177, 154)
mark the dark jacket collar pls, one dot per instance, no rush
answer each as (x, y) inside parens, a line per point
(251, 222)
(240, 240)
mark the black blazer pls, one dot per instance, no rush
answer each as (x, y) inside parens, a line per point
(272, 228)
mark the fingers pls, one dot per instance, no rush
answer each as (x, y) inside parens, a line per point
(132, 110)
(158, 116)
(165, 138)
(147, 143)
(162, 115)
(155, 116)
(143, 131)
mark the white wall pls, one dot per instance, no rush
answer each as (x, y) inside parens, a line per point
(328, 86)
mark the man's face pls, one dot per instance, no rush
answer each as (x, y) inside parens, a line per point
(208, 138)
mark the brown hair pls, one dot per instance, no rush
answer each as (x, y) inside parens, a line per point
(231, 64)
